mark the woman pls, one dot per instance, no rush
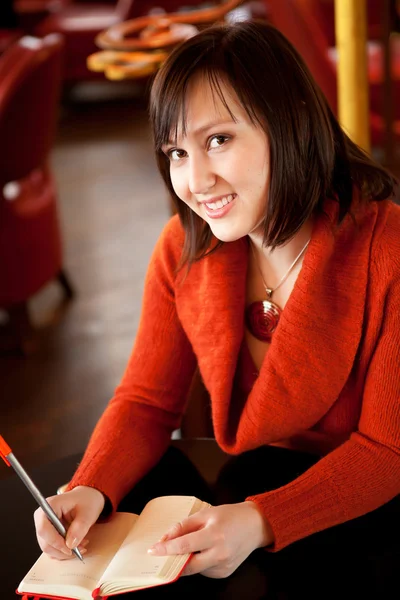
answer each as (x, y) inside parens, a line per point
(280, 279)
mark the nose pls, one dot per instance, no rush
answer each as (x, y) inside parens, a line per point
(201, 176)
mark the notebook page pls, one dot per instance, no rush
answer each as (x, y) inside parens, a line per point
(104, 541)
(132, 562)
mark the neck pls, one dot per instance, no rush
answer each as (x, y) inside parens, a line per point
(274, 263)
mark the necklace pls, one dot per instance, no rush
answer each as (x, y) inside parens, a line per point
(262, 316)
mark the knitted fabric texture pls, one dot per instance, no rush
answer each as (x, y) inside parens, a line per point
(329, 381)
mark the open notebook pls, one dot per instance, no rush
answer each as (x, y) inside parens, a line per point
(117, 560)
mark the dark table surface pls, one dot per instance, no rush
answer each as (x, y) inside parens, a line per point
(357, 561)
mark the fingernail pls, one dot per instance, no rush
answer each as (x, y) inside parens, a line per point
(72, 544)
(163, 537)
(65, 550)
(152, 550)
(82, 547)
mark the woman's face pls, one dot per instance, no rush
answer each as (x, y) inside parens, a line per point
(220, 167)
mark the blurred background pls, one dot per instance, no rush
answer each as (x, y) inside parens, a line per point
(81, 201)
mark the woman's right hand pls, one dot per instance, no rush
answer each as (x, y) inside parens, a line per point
(78, 509)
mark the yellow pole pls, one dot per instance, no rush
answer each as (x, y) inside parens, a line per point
(351, 42)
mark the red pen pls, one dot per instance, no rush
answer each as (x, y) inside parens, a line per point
(10, 460)
(4, 450)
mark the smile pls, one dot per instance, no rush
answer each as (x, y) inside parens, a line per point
(220, 208)
(220, 203)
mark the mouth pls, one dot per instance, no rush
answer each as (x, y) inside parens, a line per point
(220, 207)
(220, 203)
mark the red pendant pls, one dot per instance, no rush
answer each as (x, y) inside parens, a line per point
(262, 319)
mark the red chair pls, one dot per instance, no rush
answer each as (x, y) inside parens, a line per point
(79, 23)
(301, 22)
(30, 241)
(31, 12)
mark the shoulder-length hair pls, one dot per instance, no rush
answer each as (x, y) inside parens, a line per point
(311, 158)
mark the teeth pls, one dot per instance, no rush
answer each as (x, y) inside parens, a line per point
(220, 203)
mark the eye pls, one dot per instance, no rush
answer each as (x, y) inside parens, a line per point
(217, 141)
(175, 154)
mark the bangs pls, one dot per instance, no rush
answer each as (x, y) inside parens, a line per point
(168, 100)
(170, 114)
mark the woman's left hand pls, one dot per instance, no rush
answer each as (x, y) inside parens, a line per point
(221, 538)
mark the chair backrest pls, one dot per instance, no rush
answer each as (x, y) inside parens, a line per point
(30, 82)
(297, 20)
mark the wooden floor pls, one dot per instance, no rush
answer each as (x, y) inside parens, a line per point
(112, 209)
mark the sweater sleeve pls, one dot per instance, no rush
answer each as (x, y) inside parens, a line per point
(135, 429)
(361, 474)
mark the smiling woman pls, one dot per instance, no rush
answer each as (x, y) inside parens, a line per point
(209, 162)
(283, 218)
(250, 76)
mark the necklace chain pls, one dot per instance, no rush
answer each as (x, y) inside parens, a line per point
(269, 290)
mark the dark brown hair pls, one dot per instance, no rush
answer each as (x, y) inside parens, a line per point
(311, 158)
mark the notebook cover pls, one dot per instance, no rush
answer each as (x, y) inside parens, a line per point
(26, 596)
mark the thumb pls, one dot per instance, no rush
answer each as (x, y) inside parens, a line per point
(79, 528)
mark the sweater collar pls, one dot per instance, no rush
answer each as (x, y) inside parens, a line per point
(314, 346)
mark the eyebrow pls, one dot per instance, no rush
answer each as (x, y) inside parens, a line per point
(204, 128)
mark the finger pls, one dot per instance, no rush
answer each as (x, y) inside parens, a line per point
(76, 532)
(62, 553)
(189, 525)
(175, 531)
(82, 550)
(83, 546)
(50, 541)
(78, 528)
(199, 563)
(54, 549)
(184, 544)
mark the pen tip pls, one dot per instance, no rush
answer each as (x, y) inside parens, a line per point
(78, 554)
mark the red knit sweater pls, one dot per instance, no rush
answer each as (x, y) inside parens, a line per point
(329, 381)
